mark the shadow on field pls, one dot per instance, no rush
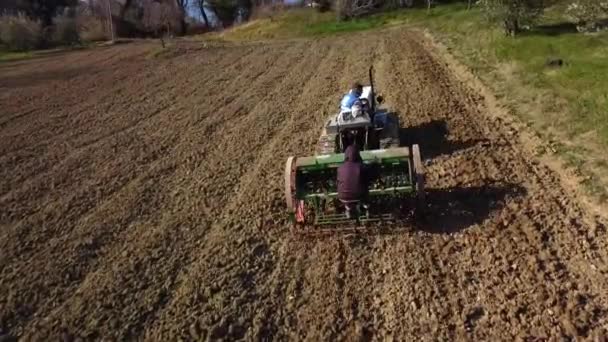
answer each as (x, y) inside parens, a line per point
(432, 138)
(451, 210)
(553, 29)
(558, 29)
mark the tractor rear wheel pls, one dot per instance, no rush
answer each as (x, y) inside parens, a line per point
(289, 183)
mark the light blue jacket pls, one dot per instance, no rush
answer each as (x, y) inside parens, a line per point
(348, 100)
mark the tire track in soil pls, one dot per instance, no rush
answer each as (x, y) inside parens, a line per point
(283, 324)
(427, 282)
(342, 315)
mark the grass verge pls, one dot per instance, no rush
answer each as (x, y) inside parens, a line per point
(6, 56)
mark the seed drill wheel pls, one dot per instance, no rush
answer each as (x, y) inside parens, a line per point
(419, 173)
(289, 183)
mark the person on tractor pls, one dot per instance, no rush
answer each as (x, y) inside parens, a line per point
(353, 96)
(352, 180)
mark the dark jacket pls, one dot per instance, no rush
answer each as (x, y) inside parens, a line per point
(351, 176)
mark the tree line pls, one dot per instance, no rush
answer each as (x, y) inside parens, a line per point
(28, 24)
(134, 17)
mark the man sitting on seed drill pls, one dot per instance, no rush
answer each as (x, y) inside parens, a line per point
(352, 182)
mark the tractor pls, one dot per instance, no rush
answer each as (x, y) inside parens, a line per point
(397, 176)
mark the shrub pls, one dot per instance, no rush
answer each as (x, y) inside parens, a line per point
(65, 31)
(92, 29)
(20, 33)
(197, 28)
(348, 9)
(267, 11)
(587, 14)
(323, 5)
(512, 14)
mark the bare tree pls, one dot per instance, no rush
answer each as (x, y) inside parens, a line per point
(161, 18)
(96, 16)
(347, 9)
(202, 8)
(123, 9)
(110, 20)
(513, 14)
(183, 9)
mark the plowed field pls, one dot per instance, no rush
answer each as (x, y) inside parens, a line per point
(141, 198)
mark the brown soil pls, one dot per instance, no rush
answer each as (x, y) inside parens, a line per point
(142, 199)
